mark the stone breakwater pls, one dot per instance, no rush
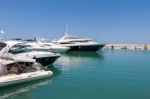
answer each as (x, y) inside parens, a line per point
(128, 46)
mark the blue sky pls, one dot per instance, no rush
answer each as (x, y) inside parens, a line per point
(106, 21)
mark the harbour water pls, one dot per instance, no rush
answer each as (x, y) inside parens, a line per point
(106, 74)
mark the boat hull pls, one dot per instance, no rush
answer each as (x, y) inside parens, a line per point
(86, 47)
(22, 78)
(46, 61)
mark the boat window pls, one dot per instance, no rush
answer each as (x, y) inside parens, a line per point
(16, 49)
(2, 45)
(71, 37)
(66, 42)
(78, 41)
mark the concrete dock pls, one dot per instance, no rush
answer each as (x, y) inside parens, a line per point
(127, 46)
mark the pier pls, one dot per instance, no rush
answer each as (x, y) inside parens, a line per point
(127, 46)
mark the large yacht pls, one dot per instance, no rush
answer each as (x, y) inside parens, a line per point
(17, 49)
(78, 44)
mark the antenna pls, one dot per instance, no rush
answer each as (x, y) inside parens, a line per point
(66, 28)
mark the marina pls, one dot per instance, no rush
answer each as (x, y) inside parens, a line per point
(73, 65)
(74, 49)
(20, 58)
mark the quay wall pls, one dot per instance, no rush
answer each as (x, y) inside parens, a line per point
(128, 46)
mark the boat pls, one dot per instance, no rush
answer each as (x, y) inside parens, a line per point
(47, 46)
(78, 44)
(20, 70)
(56, 48)
(13, 48)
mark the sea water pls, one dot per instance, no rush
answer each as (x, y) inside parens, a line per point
(108, 74)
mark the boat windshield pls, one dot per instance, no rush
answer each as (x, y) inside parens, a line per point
(20, 48)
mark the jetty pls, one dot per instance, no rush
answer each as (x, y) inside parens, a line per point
(127, 46)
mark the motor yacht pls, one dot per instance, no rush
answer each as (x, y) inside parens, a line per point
(56, 48)
(47, 46)
(17, 49)
(20, 70)
(78, 44)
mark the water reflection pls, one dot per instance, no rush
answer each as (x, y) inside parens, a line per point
(67, 60)
(91, 55)
(11, 91)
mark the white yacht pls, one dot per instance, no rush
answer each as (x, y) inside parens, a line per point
(47, 46)
(78, 44)
(19, 70)
(56, 48)
(17, 49)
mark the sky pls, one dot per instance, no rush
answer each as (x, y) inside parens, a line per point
(105, 21)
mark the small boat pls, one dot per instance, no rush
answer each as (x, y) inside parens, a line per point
(15, 71)
(25, 77)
